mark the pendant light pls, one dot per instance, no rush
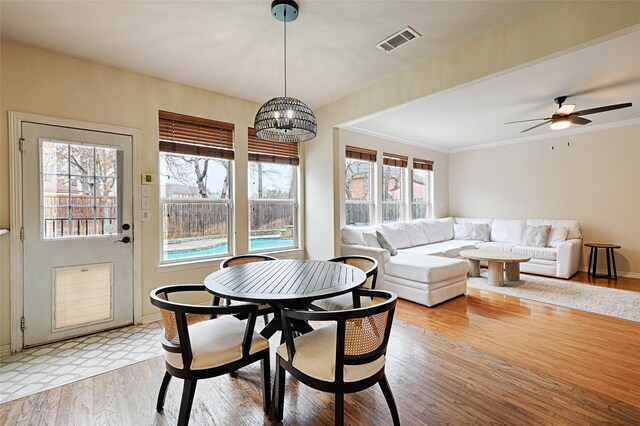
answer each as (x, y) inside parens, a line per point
(285, 119)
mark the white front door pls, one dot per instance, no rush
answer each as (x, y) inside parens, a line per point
(77, 218)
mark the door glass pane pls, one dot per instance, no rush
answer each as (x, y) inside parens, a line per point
(73, 189)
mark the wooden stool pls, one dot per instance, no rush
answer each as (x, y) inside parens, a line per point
(593, 259)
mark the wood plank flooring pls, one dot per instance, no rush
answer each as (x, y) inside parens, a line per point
(483, 358)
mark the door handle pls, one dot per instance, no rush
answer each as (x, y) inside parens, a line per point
(125, 240)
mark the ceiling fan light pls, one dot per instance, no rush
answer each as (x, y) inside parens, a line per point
(560, 124)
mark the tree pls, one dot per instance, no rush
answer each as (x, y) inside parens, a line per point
(188, 170)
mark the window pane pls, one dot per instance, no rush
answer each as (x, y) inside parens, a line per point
(392, 181)
(391, 212)
(106, 162)
(358, 175)
(358, 214)
(186, 176)
(272, 181)
(195, 230)
(81, 160)
(421, 185)
(421, 211)
(271, 225)
(55, 158)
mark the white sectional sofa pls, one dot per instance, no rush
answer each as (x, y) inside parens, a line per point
(428, 269)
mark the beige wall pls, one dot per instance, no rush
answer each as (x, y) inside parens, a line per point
(547, 31)
(41, 82)
(591, 177)
(440, 169)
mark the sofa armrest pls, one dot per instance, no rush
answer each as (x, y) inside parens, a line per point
(568, 259)
(379, 254)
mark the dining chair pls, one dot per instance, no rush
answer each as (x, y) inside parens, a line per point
(345, 301)
(207, 348)
(263, 309)
(346, 356)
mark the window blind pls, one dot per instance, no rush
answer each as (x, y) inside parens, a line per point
(184, 134)
(361, 153)
(272, 152)
(395, 160)
(422, 164)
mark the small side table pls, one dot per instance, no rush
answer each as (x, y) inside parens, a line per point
(593, 259)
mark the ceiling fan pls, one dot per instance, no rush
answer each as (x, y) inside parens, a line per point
(565, 116)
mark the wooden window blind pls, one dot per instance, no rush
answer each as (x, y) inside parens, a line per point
(395, 160)
(273, 152)
(184, 134)
(361, 153)
(422, 164)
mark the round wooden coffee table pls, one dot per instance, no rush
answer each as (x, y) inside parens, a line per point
(498, 260)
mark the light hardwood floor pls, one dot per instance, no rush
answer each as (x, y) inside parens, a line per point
(483, 358)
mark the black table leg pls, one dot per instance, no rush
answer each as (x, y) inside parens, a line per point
(590, 260)
(613, 260)
(609, 254)
(595, 261)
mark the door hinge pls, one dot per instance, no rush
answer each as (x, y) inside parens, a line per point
(21, 144)
(22, 323)
(22, 234)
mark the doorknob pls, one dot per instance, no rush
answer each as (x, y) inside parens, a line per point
(125, 240)
(126, 226)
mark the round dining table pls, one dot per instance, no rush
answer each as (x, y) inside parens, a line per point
(284, 284)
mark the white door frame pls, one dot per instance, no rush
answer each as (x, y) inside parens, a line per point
(15, 184)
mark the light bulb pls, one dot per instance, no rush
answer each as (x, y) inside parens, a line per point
(290, 113)
(560, 124)
(276, 115)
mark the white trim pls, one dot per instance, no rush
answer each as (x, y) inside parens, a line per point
(603, 271)
(5, 350)
(149, 318)
(15, 184)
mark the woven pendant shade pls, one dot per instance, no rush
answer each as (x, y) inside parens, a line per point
(285, 119)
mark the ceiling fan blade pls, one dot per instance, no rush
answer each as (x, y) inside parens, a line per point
(537, 125)
(579, 120)
(524, 121)
(602, 109)
(566, 109)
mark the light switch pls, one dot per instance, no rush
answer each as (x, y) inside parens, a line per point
(145, 216)
(146, 203)
(146, 191)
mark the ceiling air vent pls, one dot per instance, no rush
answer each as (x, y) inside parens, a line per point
(398, 39)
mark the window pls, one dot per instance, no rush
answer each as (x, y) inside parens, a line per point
(358, 186)
(196, 157)
(422, 189)
(79, 190)
(393, 187)
(273, 194)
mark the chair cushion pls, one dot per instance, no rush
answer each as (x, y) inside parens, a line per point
(546, 253)
(261, 306)
(425, 269)
(216, 342)
(341, 302)
(316, 357)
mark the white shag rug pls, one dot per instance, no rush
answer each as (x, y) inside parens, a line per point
(601, 300)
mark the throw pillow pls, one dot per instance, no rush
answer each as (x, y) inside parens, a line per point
(352, 236)
(477, 231)
(386, 244)
(536, 236)
(556, 236)
(458, 231)
(371, 240)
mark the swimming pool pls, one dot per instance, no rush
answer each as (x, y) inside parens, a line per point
(254, 244)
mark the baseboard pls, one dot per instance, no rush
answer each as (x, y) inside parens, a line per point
(156, 316)
(603, 271)
(5, 350)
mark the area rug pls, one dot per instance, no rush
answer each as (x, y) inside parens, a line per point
(601, 300)
(45, 367)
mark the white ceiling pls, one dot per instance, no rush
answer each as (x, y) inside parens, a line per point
(474, 114)
(235, 47)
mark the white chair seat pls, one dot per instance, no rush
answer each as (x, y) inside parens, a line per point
(341, 302)
(217, 342)
(240, 302)
(316, 357)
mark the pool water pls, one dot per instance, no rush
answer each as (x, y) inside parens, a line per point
(254, 244)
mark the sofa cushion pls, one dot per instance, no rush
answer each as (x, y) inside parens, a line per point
(446, 226)
(477, 231)
(449, 248)
(458, 231)
(416, 235)
(536, 236)
(432, 230)
(352, 236)
(509, 231)
(546, 253)
(384, 242)
(463, 220)
(371, 239)
(572, 225)
(556, 236)
(496, 246)
(427, 269)
(396, 234)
